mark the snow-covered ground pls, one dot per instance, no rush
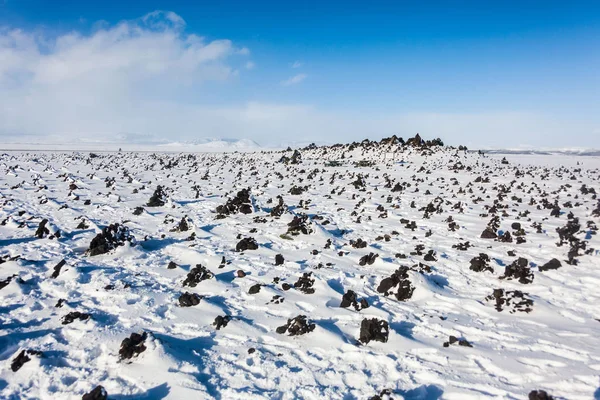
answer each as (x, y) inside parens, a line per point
(424, 209)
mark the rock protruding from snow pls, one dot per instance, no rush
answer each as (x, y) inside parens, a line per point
(23, 358)
(241, 203)
(188, 299)
(159, 197)
(248, 243)
(133, 345)
(296, 326)
(351, 299)
(98, 393)
(513, 300)
(519, 269)
(400, 280)
(196, 275)
(111, 237)
(374, 329)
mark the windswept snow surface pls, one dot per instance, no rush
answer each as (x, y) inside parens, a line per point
(554, 347)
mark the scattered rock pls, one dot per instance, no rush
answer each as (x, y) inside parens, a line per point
(22, 358)
(73, 315)
(196, 275)
(99, 393)
(374, 329)
(189, 299)
(297, 326)
(221, 321)
(133, 345)
(552, 264)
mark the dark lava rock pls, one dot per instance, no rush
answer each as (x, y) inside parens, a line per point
(99, 393)
(279, 260)
(6, 281)
(374, 329)
(183, 225)
(221, 321)
(358, 243)
(480, 264)
(516, 226)
(279, 209)
(286, 286)
(461, 342)
(488, 234)
(296, 326)
(42, 231)
(22, 358)
(189, 299)
(368, 259)
(241, 203)
(159, 198)
(397, 279)
(552, 264)
(300, 224)
(57, 268)
(506, 237)
(138, 211)
(196, 275)
(513, 300)
(305, 283)
(384, 394)
(248, 243)
(539, 395)
(133, 345)
(430, 256)
(240, 274)
(73, 315)
(254, 289)
(111, 237)
(520, 270)
(350, 299)
(171, 265)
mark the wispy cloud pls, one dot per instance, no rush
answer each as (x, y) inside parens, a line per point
(297, 64)
(250, 65)
(294, 80)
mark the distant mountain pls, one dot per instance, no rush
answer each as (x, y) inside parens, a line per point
(566, 152)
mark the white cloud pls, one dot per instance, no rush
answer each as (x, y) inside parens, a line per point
(294, 80)
(73, 84)
(250, 65)
(297, 64)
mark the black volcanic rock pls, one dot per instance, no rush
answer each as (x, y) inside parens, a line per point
(133, 345)
(22, 358)
(374, 329)
(188, 299)
(296, 326)
(159, 197)
(552, 264)
(519, 270)
(72, 316)
(248, 243)
(98, 393)
(196, 275)
(111, 237)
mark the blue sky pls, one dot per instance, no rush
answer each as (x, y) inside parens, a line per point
(497, 74)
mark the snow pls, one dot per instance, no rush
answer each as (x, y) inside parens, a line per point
(555, 347)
